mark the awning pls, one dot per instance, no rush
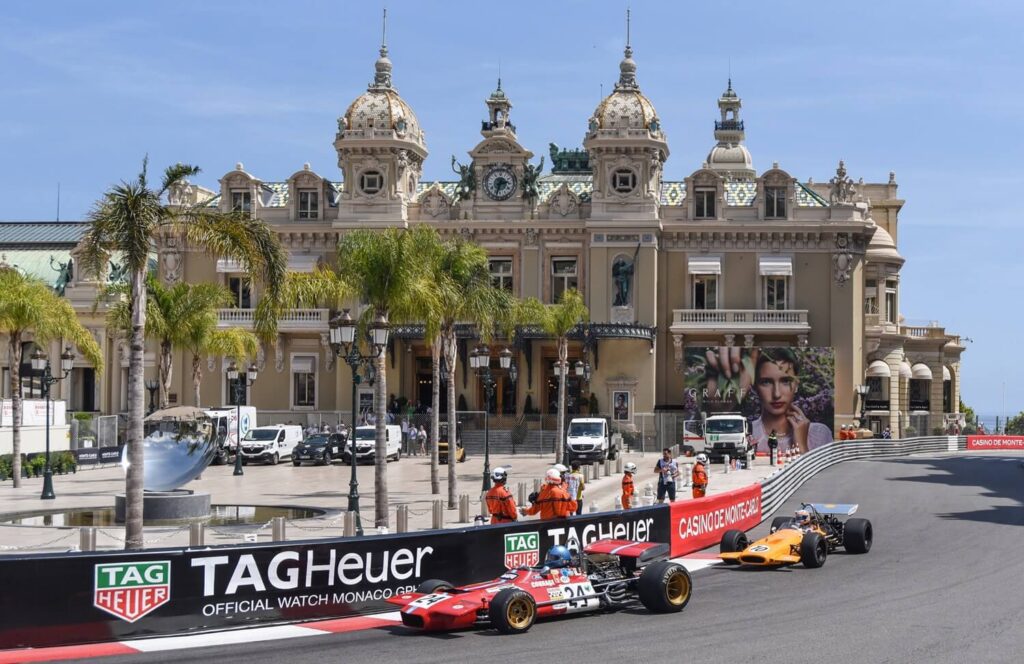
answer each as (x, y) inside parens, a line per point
(228, 265)
(878, 369)
(776, 266)
(945, 374)
(705, 265)
(906, 373)
(303, 364)
(302, 263)
(920, 371)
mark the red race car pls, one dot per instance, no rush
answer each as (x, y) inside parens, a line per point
(608, 574)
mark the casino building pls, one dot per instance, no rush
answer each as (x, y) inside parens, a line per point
(729, 256)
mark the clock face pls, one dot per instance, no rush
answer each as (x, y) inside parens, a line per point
(500, 183)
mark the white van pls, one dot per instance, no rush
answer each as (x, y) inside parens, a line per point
(588, 439)
(271, 443)
(366, 443)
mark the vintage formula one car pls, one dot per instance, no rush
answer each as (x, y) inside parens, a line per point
(608, 574)
(789, 542)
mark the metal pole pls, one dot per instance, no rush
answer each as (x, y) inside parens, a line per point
(196, 534)
(489, 394)
(353, 484)
(463, 508)
(278, 528)
(87, 539)
(47, 471)
(238, 430)
(521, 493)
(402, 517)
(350, 524)
(437, 516)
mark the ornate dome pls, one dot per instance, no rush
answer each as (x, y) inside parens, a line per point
(626, 107)
(882, 248)
(729, 156)
(381, 107)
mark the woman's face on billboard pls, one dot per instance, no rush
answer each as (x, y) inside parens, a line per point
(776, 386)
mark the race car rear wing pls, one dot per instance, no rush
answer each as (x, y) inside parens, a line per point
(841, 509)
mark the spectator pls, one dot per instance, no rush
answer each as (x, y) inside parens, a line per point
(326, 428)
(887, 433)
(574, 484)
(422, 437)
(668, 472)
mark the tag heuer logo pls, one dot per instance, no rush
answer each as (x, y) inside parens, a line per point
(522, 549)
(132, 590)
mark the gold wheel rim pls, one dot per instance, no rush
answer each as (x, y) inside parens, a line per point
(519, 613)
(677, 590)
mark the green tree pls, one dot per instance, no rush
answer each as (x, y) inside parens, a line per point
(970, 418)
(28, 305)
(558, 320)
(1015, 425)
(130, 218)
(385, 270)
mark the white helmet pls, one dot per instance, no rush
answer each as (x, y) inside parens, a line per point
(499, 474)
(553, 476)
(630, 467)
(560, 468)
(802, 517)
(702, 458)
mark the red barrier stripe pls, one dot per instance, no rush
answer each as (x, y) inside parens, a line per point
(65, 652)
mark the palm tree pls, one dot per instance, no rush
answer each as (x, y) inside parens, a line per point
(558, 320)
(129, 218)
(28, 304)
(181, 315)
(466, 294)
(385, 270)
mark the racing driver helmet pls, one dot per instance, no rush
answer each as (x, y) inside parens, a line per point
(802, 518)
(558, 556)
(499, 474)
(553, 476)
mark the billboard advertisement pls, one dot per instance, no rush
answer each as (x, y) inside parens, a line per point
(790, 391)
(995, 442)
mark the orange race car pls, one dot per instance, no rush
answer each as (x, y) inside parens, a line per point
(808, 537)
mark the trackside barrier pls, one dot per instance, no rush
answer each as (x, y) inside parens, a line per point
(60, 599)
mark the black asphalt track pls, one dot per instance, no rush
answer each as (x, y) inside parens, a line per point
(944, 582)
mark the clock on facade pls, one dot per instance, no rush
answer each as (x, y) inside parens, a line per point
(500, 183)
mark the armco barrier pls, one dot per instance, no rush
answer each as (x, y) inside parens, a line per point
(778, 488)
(57, 599)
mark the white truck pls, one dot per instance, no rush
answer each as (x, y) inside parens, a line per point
(270, 444)
(365, 444)
(589, 439)
(726, 433)
(225, 419)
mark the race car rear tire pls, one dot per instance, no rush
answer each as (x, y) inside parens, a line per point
(857, 536)
(431, 586)
(512, 611)
(813, 550)
(664, 587)
(779, 522)
(733, 541)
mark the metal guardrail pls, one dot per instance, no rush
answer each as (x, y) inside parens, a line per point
(778, 488)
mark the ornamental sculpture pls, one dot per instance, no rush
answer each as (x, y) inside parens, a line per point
(841, 191)
(531, 190)
(467, 180)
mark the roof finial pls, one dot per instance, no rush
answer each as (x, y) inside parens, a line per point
(499, 74)
(627, 27)
(384, 30)
(627, 68)
(382, 75)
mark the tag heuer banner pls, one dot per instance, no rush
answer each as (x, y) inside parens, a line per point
(58, 599)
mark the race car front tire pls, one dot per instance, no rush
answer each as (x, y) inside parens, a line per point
(813, 550)
(857, 536)
(512, 611)
(733, 541)
(431, 586)
(779, 522)
(664, 587)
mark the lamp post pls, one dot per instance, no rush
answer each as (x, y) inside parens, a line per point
(480, 361)
(238, 386)
(343, 343)
(152, 385)
(41, 364)
(863, 390)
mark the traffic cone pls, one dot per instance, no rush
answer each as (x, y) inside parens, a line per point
(782, 459)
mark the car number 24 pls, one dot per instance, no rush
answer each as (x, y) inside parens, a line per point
(576, 596)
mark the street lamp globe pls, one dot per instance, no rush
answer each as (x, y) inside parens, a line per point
(251, 374)
(346, 328)
(39, 360)
(379, 333)
(67, 360)
(505, 358)
(579, 368)
(232, 371)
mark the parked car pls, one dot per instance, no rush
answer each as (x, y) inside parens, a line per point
(320, 448)
(270, 444)
(365, 442)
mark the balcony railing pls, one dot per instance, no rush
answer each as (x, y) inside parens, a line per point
(729, 125)
(924, 332)
(783, 320)
(291, 320)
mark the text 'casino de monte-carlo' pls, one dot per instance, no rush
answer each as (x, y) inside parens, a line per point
(726, 257)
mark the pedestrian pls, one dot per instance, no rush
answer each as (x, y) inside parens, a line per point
(667, 469)
(699, 477)
(887, 434)
(500, 502)
(326, 428)
(627, 485)
(574, 482)
(421, 436)
(553, 502)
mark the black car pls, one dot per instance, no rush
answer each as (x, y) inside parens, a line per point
(320, 448)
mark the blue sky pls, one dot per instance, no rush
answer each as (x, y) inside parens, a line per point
(929, 90)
